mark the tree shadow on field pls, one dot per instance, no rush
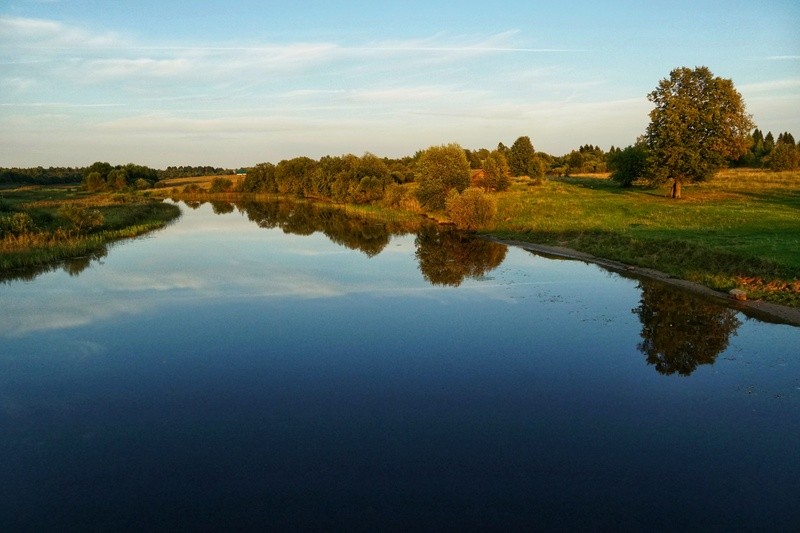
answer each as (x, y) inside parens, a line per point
(610, 186)
(785, 198)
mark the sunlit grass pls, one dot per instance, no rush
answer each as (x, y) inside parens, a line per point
(739, 230)
(52, 238)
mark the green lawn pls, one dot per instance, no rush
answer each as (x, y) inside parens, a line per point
(739, 230)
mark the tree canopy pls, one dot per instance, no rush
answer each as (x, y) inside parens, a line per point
(629, 164)
(698, 124)
(441, 169)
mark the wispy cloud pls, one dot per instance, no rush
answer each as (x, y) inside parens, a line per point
(64, 105)
(18, 32)
(771, 86)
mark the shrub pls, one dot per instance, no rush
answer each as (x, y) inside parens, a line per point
(370, 188)
(15, 224)
(142, 183)
(471, 209)
(80, 218)
(221, 185)
(629, 164)
(441, 169)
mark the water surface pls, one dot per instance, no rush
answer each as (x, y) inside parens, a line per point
(277, 364)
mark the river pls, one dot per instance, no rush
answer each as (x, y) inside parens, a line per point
(275, 364)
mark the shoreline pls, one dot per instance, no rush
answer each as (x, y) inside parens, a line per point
(759, 309)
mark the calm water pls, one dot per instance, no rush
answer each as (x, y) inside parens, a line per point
(273, 364)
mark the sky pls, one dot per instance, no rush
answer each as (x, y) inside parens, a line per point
(234, 83)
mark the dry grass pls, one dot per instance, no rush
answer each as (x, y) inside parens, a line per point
(204, 182)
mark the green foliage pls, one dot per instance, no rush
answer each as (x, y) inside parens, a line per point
(15, 224)
(629, 164)
(785, 156)
(94, 181)
(294, 176)
(260, 178)
(698, 124)
(587, 159)
(441, 169)
(221, 185)
(369, 188)
(471, 209)
(102, 176)
(495, 172)
(81, 218)
(520, 156)
(142, 184)
(117, 179)
(192, 171)
(40, 175)
(100, 167)
(394, 195)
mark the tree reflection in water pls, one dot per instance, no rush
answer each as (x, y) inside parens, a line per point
(681, 331)
(446, 256)
(73, 267)
(364, 234)
(221, 208)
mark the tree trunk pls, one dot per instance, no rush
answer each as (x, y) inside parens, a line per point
(676, 189)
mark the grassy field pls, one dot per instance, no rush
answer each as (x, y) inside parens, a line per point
(40, 226)
(739, 230)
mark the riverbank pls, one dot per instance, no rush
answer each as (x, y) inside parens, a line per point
(762, 310)
(739, 230)
(40, 227)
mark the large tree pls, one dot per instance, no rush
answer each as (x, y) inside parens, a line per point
(521, 157)
(441, 169)
(698, 124)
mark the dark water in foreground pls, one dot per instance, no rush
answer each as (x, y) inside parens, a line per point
(310, 371)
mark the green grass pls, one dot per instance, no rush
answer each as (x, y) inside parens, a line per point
(54, 239)
(739, 230)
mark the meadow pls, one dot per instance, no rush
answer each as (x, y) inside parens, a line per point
(43, 225)
(738, 230)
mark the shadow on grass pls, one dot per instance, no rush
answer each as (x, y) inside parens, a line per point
(609, 186)
(785, 198)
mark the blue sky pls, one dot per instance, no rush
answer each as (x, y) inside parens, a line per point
(234, 83)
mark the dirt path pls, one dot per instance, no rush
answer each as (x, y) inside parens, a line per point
(761, 310)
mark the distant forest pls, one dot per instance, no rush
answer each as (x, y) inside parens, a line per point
(76, 175)
(766, 151)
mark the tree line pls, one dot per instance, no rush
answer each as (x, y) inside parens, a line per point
(40, 175)
(129, 173)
